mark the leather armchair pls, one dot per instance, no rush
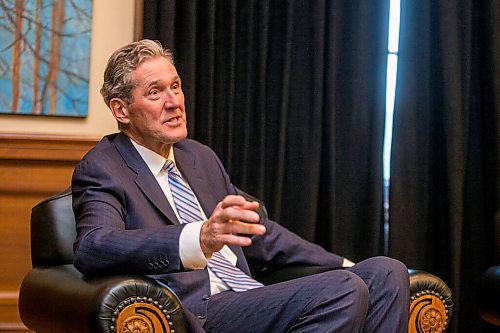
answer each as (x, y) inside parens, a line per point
(489, 288)
(55, 297)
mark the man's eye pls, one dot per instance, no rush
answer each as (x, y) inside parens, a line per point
(154, 93)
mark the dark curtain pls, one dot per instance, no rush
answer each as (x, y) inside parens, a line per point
(290, 94)
(445, 160)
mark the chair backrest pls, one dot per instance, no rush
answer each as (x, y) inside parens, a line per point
(53, 231)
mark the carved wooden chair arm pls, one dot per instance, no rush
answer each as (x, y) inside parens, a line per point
(60, 299)
(431, 303)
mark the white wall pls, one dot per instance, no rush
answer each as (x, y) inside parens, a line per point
(112, 27)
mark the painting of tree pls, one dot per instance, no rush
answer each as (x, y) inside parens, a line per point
(44, 57)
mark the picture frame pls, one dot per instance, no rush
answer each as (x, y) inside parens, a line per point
(45, 57)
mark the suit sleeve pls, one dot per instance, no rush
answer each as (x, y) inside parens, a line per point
(280, 247)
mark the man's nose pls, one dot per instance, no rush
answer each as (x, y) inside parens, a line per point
(171, 99)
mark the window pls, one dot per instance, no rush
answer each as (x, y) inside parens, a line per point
(392, 69)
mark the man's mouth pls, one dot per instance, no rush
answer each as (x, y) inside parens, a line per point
(174, 120)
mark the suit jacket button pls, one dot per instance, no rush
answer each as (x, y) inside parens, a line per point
(205, 297)
(201, 317)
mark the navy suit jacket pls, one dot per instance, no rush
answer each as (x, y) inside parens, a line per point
(125, 224)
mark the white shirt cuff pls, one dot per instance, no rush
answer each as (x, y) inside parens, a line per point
(347, 263)
(190, 252)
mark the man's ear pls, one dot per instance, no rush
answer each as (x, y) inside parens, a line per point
(119, 110)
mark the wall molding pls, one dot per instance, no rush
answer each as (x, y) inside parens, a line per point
(44, 147)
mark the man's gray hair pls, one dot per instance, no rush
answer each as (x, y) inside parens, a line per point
(117, 81)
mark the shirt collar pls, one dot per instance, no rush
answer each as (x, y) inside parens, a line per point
(154, 161)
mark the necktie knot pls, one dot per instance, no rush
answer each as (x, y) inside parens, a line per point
(172, 171)
(170, 166)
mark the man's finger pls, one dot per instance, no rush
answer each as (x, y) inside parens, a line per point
(239, 227)
(230, 239)
(240, 214)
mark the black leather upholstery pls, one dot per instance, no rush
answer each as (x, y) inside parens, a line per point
(52, 220)
(489, 288)
(55, 297)
(489, 295)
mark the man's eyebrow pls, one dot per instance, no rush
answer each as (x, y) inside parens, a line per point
(157, 82)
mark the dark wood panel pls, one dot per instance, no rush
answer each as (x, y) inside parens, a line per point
(30, 177)
(32, 167)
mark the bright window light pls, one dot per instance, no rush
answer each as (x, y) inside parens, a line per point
(394, 14)
(392, 70)
(390, 94)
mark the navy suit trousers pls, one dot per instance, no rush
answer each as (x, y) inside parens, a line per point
(372, 296)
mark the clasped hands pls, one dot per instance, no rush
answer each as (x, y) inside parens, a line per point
(233, 220)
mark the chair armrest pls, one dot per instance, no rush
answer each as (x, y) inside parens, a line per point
(431, 303)
(60, 299)
(489, 295)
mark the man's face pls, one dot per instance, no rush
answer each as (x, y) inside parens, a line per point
(156, 116)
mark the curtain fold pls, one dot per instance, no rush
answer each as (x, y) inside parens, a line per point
(290, 94)
(445, 156)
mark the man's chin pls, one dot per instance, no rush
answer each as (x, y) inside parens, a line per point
(176, 138)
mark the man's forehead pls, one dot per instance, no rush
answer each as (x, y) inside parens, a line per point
(155, 70)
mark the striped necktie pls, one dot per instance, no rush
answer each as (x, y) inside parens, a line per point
(188, 210)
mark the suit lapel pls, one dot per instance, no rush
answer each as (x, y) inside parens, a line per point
(145, 180)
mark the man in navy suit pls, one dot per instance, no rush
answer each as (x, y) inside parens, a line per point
(128, 221)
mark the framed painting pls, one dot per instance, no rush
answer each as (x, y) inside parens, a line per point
(44, 57)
